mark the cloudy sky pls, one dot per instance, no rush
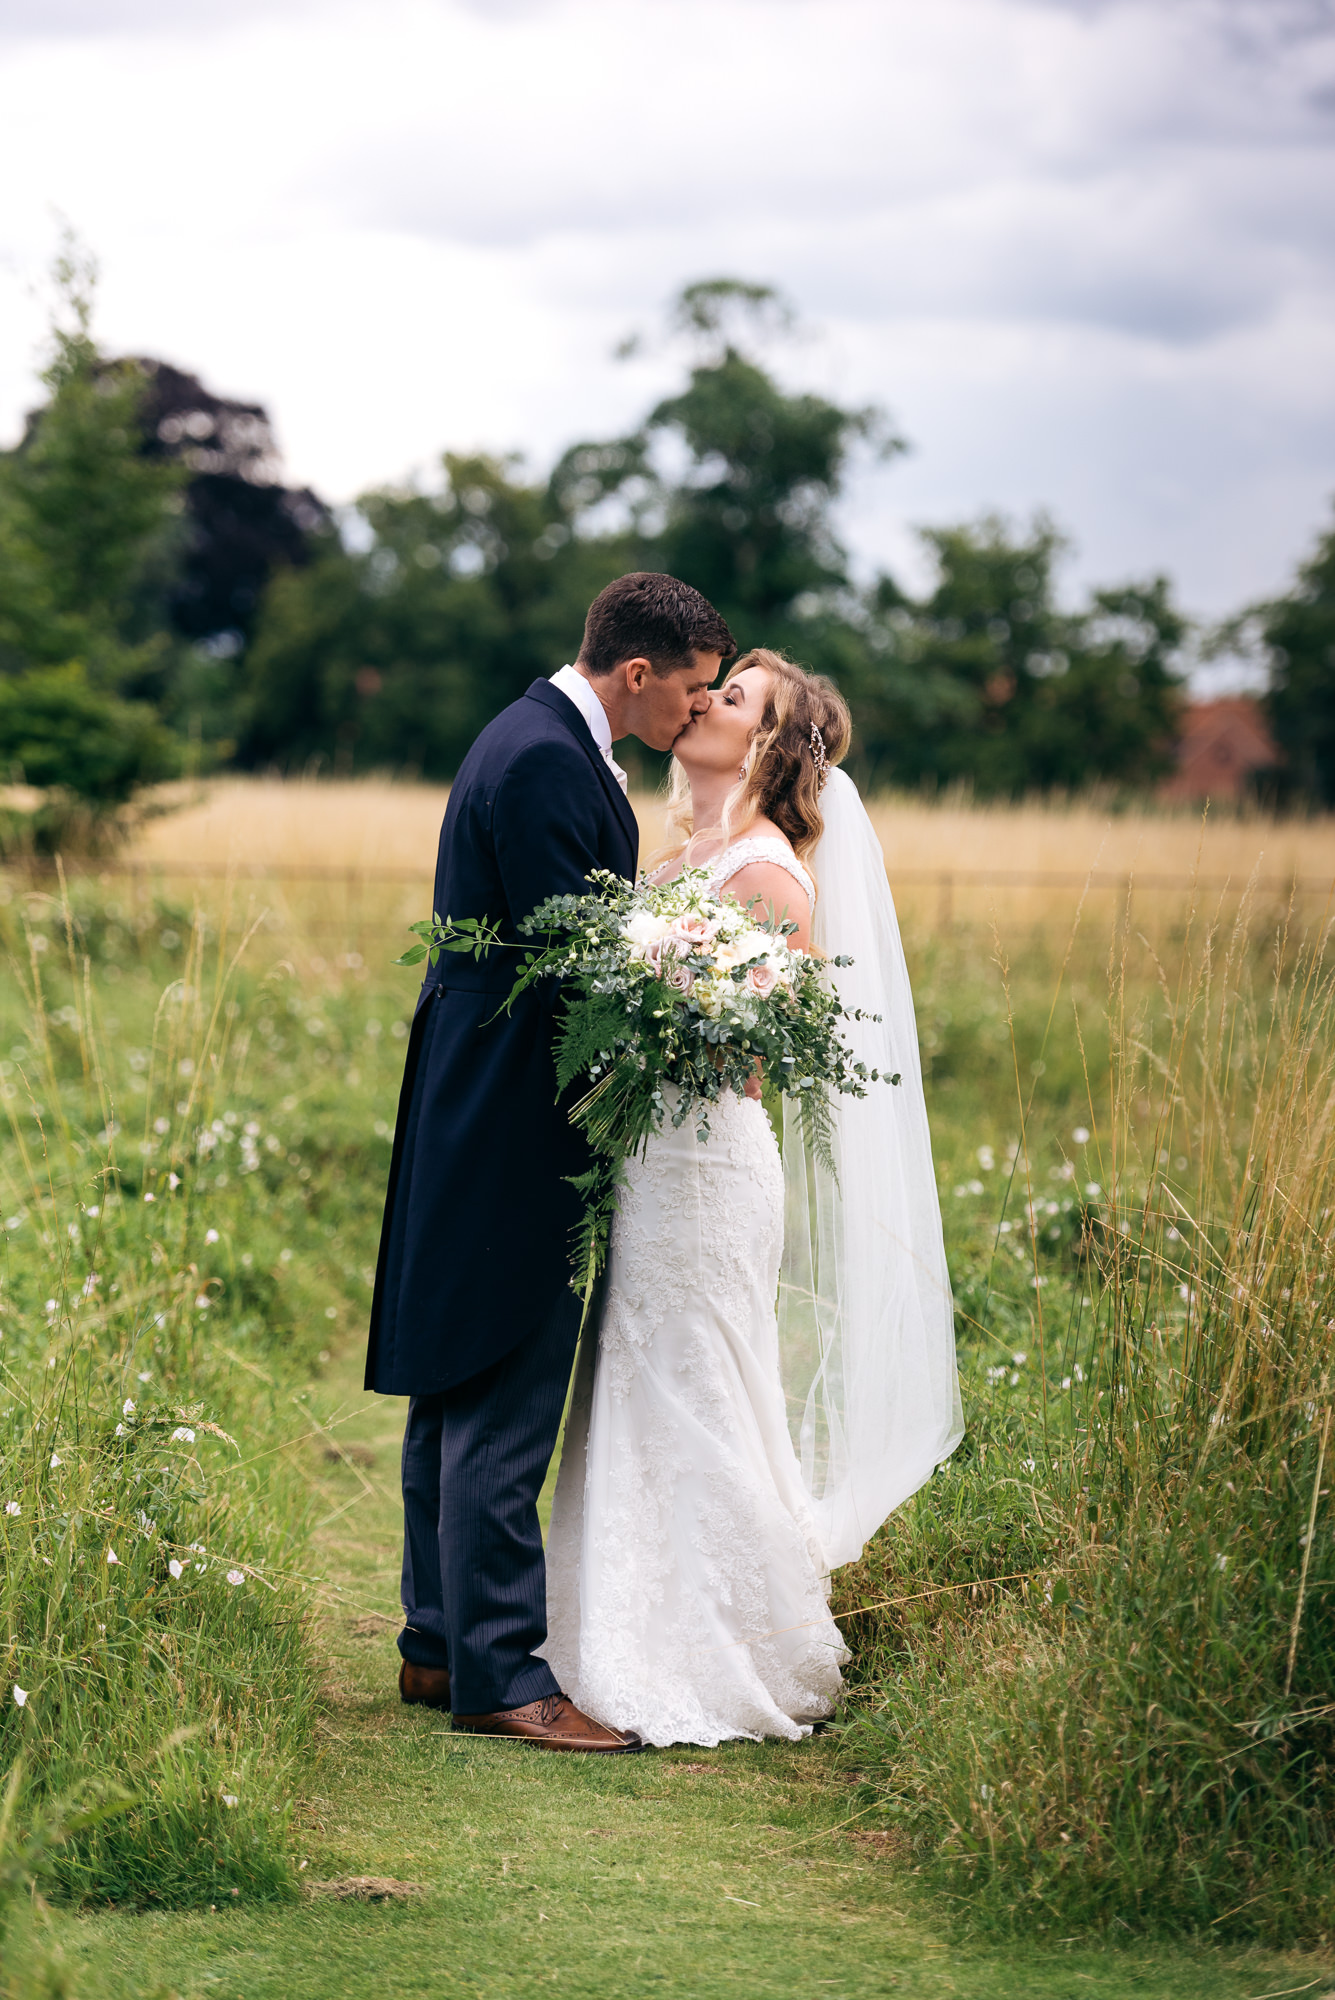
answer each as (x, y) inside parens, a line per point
(1080, 249)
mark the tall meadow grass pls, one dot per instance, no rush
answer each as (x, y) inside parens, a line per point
(1125, 1718)
(1092, 1685)
(156, 1321)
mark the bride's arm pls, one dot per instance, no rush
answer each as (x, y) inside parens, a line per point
(780, 896)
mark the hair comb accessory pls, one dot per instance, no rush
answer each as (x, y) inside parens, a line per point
(818, 752)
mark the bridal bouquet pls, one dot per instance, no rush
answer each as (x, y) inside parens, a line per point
(672, 995)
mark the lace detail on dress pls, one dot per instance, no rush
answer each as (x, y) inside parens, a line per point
(759, 847)
(687, 1594)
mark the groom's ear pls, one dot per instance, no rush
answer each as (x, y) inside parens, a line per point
(636, 672)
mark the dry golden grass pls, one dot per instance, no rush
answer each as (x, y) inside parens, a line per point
(948, 861)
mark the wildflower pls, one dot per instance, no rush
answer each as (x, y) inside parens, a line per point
(173, 1182)
(56, 1460)
(200, 1568)
(1019, 1359)
(1092, 1189)
(203, 1302)
(120, 1430)
(150, 1197)
(177, 1569)
(127, 1408)
(1015, 1381)
(235, 1576)
(210, 1236)
(13, 1507)
(112, 1559)
(183, 1435)
(20, 1696)
(986, 1159)
(199, 1548)
(1081, 1135)
(229, 1798)
(1066, 1381)
(1221, 1563)
(145, 1375)
(50, 1306)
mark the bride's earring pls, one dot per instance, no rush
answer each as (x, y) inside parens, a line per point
(741, 775)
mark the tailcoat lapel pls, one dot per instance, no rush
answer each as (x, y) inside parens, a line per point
(561, 705)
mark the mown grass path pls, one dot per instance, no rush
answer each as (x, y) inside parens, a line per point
(739, 1872)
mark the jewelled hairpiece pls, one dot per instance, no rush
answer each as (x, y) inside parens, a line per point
(818, 752)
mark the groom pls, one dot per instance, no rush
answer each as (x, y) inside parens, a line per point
(473, 1317)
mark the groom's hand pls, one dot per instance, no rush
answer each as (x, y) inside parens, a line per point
(753, 1090)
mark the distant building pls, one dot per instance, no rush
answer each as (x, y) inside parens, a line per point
(1222, 745)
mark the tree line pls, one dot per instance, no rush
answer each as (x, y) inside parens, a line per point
(167, 603)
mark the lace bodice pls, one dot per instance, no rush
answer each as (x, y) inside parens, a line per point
(759, 847)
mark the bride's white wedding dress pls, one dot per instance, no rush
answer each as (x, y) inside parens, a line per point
(686, 1586)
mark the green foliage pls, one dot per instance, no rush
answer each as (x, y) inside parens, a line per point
(1298, 636)
(986, 680)
(172, 1234)
(58, 730)
(400, 654)
(87, 518)
(1122, 1721)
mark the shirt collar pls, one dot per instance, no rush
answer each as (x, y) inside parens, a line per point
(577, 689)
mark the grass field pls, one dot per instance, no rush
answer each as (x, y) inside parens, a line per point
(1081, 1755)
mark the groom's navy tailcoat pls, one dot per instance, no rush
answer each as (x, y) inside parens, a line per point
(475, 1244)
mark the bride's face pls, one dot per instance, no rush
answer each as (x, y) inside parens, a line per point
(717, 740)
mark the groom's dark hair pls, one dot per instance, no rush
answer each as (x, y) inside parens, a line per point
(653, 617)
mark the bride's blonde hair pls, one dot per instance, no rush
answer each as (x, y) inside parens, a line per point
(804, 730)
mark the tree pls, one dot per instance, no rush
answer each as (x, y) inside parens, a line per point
(241, 522)
(398, 653)
(989, 681)
(86, 517)
(748, 522)
(1297, 636)
(56, 730)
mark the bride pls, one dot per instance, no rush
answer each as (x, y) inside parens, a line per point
(722, 1455)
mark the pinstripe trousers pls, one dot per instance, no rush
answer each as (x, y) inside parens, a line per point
(474, 1580)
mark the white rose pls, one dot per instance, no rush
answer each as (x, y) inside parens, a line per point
(644, 929)
(754, 944)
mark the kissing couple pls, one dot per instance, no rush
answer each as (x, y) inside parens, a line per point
(769, 1367)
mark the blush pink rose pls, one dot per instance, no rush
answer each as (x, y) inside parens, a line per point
(761, 980)
(694, 930)
(678, 976)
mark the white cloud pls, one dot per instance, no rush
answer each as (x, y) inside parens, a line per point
(1081, 250)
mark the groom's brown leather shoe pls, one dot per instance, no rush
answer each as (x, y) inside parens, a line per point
(554, 1723)
(429, 1687)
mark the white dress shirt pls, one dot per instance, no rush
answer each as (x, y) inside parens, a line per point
(577, 689)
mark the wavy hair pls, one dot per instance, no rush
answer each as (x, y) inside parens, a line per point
(783, 774)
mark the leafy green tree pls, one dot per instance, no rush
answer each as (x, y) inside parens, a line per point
(989, 681)
(57, 730)
(1297, 634)
(397, 653)
(748, 520)
(87, 520)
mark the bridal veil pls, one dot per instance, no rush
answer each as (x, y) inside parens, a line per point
(866, 1319)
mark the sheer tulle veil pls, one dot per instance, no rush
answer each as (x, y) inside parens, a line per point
(866, 1319)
